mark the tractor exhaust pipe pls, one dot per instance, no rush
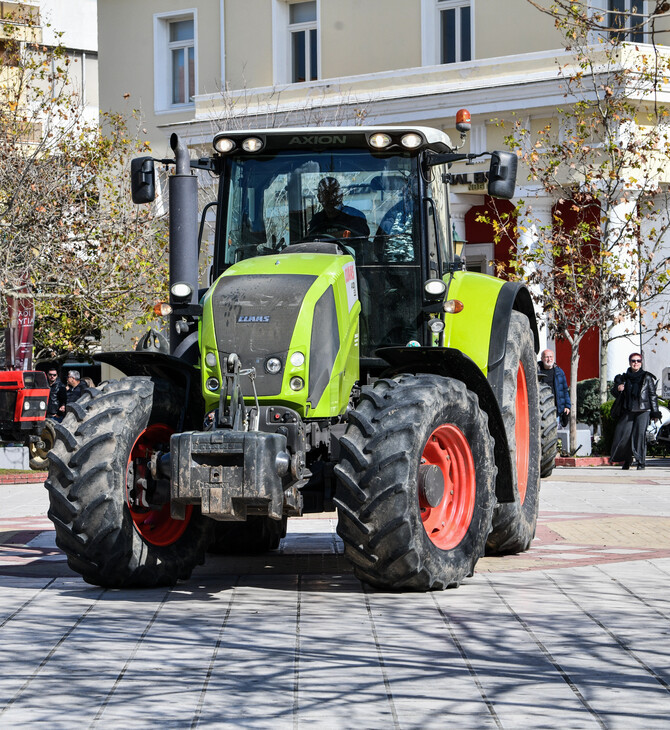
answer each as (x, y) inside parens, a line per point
(183, 191)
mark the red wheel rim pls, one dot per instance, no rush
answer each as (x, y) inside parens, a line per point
(522, 432)
(156, 526)
(447, 523)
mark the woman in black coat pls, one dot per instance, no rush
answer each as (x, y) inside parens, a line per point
(636, 402)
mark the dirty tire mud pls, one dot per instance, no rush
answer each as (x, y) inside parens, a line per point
(415, 483)
(514, 523)
(549, 435)
(254, 536)
(38, 455)
(105, 431)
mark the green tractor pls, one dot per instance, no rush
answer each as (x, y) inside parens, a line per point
(341, 359)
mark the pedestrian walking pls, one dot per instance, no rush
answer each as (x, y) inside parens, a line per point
(636, 403)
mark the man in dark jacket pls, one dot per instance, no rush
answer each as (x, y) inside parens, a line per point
(57, 395)
(334, 219)
(555, 378)
(74, 386)
(637, 403)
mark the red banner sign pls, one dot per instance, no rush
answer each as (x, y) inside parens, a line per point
(19, 341)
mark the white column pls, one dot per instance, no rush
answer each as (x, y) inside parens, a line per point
(459, 205)
(626, 331)
(535, 216)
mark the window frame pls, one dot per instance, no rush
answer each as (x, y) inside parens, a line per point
(163, 48)
(602, 6)
(431, 31)
(626, 32)
(282, 41)
(306, 28)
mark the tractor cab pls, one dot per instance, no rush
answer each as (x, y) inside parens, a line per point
(377, 195)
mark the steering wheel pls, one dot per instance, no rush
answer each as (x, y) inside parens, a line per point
(326, 237)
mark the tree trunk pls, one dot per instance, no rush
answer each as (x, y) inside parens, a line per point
(574, 363)
(604, 392)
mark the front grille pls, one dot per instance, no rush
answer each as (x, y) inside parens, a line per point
(255, 316)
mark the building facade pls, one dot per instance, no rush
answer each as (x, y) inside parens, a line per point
(72, 24)
(201, 66)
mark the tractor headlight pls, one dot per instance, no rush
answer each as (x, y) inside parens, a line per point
(26, 405)
(411, 141)
(379, 140)
(210, 360)
(273, 365)
(434, 289)
(181, 291)
(252, 144)
(212, 384)
(436, 325)
(297, 383)
(43, 405)
(224, 145)
(297, 359)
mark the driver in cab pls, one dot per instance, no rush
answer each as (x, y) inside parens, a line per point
(334, 219)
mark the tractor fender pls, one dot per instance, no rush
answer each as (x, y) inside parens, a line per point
(182, 376)
(513, 296)
(452, 363)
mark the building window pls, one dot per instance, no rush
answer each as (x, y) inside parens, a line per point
(175, 54)
(303, 41)
(628, 15)
(182, 60)
(455, 28)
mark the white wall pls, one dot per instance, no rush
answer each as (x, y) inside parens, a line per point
(77, 19)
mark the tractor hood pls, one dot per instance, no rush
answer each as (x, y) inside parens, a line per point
(293, 318)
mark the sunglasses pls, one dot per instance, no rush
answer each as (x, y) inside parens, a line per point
(632, 361)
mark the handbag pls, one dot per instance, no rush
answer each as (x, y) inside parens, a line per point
(617, 407)
(565, 419)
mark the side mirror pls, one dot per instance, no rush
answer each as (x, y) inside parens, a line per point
(142, 180)
(502, 174)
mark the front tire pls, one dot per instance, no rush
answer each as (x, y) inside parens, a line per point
(514, 523)
(415, 491)
(38, 454)
(108, 536)
(549, 430)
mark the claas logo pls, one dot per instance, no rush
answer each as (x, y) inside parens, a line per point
(253, 318)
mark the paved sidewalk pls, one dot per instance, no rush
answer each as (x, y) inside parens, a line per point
(574, 633)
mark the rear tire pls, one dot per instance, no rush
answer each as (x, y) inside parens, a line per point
(255, 536)
(110, 545)
(514, 523)
(549, 430)
(38, 455)
(392, 536)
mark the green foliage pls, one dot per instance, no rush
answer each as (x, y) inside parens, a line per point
(588, 401)
(91, 259)
(603, 158)
(604, 444)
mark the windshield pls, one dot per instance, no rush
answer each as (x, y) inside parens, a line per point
(366, 202)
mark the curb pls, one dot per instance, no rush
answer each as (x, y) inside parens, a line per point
(583, 461)
(23, 477)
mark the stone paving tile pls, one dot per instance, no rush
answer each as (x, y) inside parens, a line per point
(572, 634)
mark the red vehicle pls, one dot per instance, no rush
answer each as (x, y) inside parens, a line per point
(24, 395)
